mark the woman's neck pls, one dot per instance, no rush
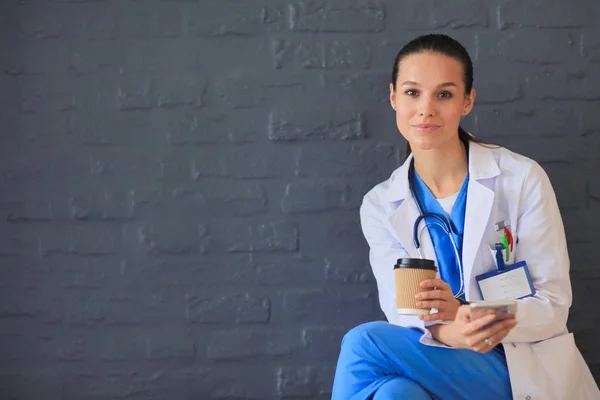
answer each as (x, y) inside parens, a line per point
(443, 170)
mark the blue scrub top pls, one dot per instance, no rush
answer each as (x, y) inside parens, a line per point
(444, 250)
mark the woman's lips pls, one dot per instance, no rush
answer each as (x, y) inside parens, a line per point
(426, 127)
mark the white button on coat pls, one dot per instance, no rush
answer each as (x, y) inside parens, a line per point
(503, 186)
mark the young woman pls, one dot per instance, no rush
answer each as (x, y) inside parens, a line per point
(474, 188)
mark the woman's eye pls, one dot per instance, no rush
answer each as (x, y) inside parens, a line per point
(411, 92)
(445, 95)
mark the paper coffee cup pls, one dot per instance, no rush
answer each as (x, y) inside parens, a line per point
(408, 274)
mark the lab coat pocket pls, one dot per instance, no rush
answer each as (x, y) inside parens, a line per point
(558, 357)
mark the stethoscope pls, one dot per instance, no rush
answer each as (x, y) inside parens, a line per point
(442, 223)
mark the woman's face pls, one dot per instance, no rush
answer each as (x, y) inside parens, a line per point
(430, 100)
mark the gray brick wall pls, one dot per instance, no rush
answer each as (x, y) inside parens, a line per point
(179, 180)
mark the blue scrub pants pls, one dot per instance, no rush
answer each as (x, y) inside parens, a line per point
(381, 361)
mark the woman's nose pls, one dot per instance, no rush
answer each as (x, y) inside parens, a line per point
(426, 108)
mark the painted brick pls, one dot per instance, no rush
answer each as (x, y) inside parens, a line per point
(312, 123)
(111, 163)
(221, 198)
(580, 225)
(79, 239)
(101, 204)
(18, 241)
(278, 271)
(135, 94)
(238, 308)
(160, 21)
(556, 150)
(225, 381)
(31, 61)
(306, 382)
(569, 185)
(581, 255)
(355, 88)
(97, 272)
(433, 14)
(593, 189)
(237, 20)
(237, 344)
(185, 272)
(345, 268)
(324, 341)
(32, 98)
(337, 16)
(249, 162)
(200, 129)
(266, 237)
(21, 203)
(100, 129)
(100, 23)
(173, 91)
(563, 85)
(585, 154)
(590, 45)
(304, 306)
(544, 122)
(321, 55)
(84, 60)
(345, 160)
(242, 93)
(553, 46)
(15, 385)
(590, 120)
(167, 344)
(43, 22)
(309, 197)
(545, 14)
(110, 384)
(82, 310)
(497, 91)
(339, 234)
(170, 236)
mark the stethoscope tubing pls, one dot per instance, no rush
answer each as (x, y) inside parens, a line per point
(442, 223)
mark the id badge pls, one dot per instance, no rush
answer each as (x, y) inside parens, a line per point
(511, 282)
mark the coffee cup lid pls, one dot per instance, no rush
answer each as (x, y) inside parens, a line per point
(419, 263)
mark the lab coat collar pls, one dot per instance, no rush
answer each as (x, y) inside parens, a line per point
(482, 165)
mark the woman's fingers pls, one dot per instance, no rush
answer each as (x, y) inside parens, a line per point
(474, 326)
(437, 294)
(490, 336)
(493, 341)
(439, 304)
(435, 283)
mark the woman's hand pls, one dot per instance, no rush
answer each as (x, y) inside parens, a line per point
(437, 294)
(476, 334)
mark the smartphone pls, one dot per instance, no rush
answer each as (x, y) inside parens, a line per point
(502, 308)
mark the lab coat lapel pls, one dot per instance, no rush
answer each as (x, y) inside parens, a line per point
(404, 214)
(480, 202)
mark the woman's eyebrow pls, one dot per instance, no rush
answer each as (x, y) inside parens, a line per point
(412, 83)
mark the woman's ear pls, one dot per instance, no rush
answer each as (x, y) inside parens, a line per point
(392, 96)
(469, 101)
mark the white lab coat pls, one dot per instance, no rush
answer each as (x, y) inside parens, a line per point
(543, 360)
